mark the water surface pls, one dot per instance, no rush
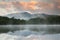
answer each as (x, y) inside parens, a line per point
(29, 32)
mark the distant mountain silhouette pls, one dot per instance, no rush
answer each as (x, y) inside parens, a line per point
(42, 15)
(27, 15)
(23, 15)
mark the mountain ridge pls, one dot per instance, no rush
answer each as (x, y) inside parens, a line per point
(27, 15)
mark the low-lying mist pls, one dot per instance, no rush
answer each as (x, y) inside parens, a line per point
(44, 29)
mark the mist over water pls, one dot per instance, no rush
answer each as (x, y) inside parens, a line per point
(29, 32)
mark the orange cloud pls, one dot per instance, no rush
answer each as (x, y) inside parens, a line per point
(33, 2)
(31, 5)
(24, 5)
(2, 2)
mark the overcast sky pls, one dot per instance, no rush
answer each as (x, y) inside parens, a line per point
(34, 6)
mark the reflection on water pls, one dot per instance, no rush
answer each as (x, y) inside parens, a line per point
(30, 32)
(36, 28)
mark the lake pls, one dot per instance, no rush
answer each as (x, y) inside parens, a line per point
(29, 32)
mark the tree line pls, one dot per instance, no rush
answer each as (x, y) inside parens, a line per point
(51, 19)
(6, 20)
(48, 20)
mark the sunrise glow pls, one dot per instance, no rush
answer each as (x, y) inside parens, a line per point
(31, 5)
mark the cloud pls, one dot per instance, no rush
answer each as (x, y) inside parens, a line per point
(33, 5)
(50, 6)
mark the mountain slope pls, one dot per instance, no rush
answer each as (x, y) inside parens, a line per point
(27, 15)
(23, 15)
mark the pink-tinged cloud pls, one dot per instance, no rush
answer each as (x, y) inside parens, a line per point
(35, 6)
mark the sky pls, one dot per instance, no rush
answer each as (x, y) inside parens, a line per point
(33, 6)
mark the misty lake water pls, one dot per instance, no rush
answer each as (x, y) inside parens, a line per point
(29, 32)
